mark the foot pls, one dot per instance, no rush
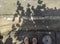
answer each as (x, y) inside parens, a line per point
(34, 40)
(26, 40)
